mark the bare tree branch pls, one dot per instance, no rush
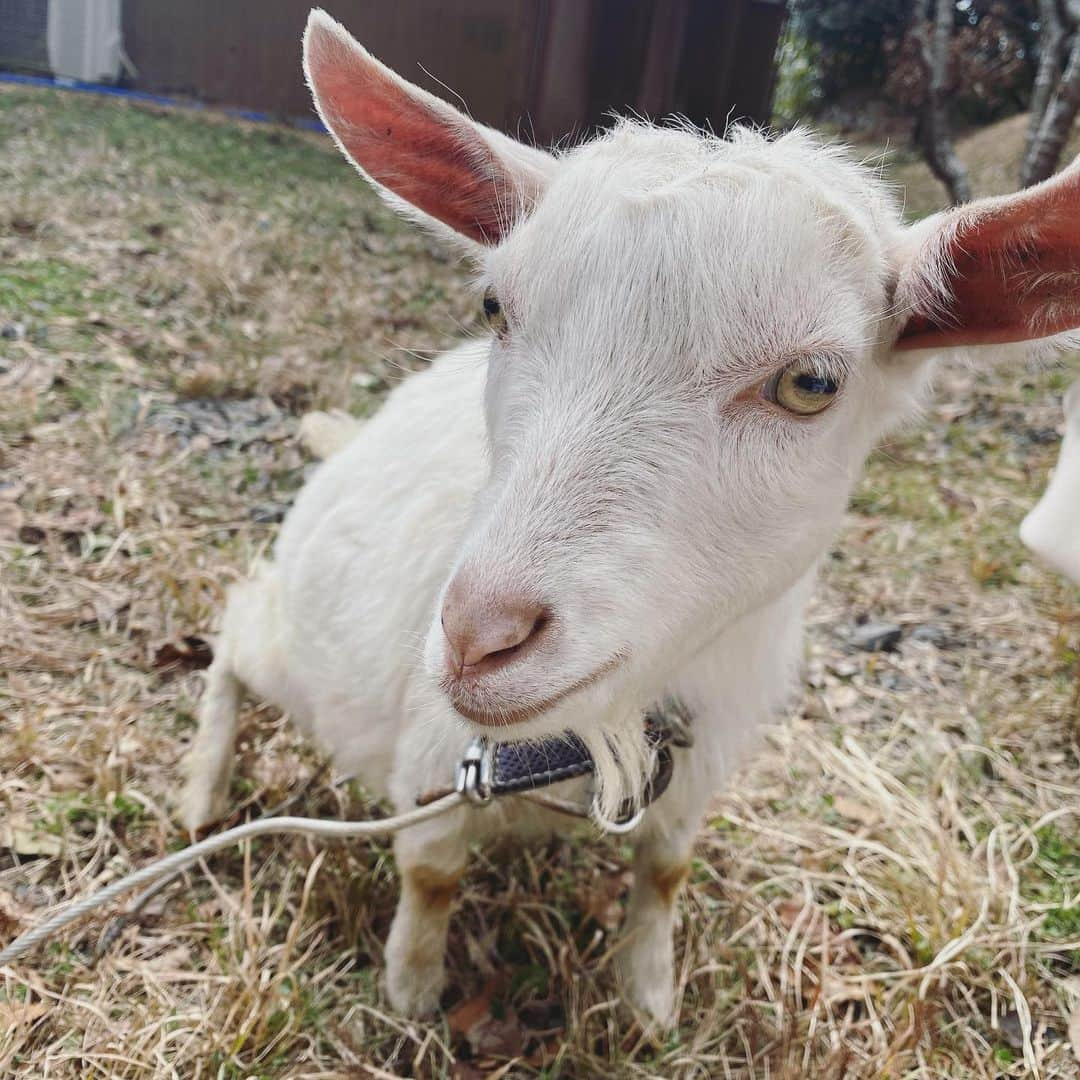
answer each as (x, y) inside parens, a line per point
(933, 31)
(1069, 11)
(1056, 123)
(1051, 55)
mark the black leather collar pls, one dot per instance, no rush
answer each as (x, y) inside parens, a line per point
(488, 770)
(526, 766)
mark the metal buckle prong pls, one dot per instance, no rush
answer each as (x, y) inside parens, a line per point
(624, 823)
(615, 827)
(473, 778)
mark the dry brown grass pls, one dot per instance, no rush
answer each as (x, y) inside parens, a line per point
(890, 891)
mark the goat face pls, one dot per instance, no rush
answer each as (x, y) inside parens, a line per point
(695, 345)
(681, 387)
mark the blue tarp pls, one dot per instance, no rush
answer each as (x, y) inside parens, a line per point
(309, 124)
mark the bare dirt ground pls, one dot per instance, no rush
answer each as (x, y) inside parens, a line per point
(889, 891)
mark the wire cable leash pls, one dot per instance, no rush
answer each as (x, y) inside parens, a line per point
(328, 830)
(486, 771)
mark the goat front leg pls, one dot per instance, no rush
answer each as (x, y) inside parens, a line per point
(647, 959)
(663, 850)
(431, 859)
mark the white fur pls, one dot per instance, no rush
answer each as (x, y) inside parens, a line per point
(612, 457)
(1052, 529)
(323, 434)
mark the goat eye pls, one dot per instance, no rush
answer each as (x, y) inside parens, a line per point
(801, 391)
(494, 314)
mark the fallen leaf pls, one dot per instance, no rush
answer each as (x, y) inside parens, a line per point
(471, 1012)
(32, 896)
(11, 918)
(499, 1038)
(177, 958)
(103, 607)
(1012, 1031)
(191, 653)
(35, 373)
(19, 835)
(790, 912)
(464, 1071)
(844, 668)
(854, 810)
(33, 535)
(950, 413)
(542, 1018)
(486, 1034)
(837, 991)
(15, 1014)
(954, 499)
(547, 1050)
(840, 698)
(602, 899)
(11, 519)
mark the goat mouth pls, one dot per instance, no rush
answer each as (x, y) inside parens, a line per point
(486, 715)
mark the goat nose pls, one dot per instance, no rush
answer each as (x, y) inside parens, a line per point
(483, 633)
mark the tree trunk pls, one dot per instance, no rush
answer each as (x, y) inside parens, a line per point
(1051, 55)
(933, 31)
(1056, 122)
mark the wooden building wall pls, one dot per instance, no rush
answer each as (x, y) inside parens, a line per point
(546, 67)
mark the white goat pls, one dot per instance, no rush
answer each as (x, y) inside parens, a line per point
(624, 490)
(1052, 529)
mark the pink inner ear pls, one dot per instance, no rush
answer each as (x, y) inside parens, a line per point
(1015, 273)
(410, 142)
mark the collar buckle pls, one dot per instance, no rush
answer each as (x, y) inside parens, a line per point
(474, 770)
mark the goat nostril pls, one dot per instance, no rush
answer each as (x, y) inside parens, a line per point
(500, 654)
(481, 637)
(517, 646)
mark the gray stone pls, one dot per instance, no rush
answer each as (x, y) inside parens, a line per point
(876, 637)
(931, 635)
(267, 513)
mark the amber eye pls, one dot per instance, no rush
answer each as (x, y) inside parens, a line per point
(494, 314)
(801, 390)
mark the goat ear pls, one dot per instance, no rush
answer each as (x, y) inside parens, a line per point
(996, 271)
(422, 153)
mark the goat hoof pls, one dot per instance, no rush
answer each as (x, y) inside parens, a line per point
(657, 1003)
(414, 992)
(649, 992)
(200, 804)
